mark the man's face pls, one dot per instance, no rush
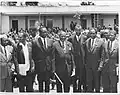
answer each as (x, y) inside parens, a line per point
(44, 32)
(22, 38)
(63, 36)
(93, 33)
(78, 31)
(111, 36)
(4, 42)
(106, 35)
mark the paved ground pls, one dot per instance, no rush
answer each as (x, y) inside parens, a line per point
(35, 87)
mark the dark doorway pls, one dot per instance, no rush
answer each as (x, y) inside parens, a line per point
(15, 24)
(49, 23)
(84, 23)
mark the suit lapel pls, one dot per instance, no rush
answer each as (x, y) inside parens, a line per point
(114, 47)
(3, 56)
(89, 45)
(94, 45)
(75, 39)
(60, 47)
(40, 44)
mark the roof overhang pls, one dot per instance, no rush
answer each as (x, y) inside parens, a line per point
(59, 10)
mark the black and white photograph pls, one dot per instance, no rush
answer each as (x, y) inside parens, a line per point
(59, 46)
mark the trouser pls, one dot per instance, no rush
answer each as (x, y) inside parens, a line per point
(25, 81)
(80, 75)
(6, 85)
(109, 82)
(93, 80)
(65, 80)
(44, 77)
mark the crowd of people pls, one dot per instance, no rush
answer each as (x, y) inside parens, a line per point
(86, 59)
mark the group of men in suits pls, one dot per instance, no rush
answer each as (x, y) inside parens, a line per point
(77, 58)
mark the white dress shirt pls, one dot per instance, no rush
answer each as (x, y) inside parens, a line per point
(43, 41)
(25, 67)
(93, 43)
(77, 37)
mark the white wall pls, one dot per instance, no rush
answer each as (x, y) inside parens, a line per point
(32, 18)
(108, 19)
(5, 24)
(88, 18)
(21, 21)
(57, 21)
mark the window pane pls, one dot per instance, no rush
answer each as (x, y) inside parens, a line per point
(32, 23)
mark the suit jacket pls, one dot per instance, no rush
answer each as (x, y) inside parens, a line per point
(20, 55)
(94, 55)
(111, 57)
(78, 49)
(5, 64)
(62, 57)
(41, 56)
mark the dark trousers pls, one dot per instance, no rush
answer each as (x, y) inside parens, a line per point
(93, 80)
(109, 82)
(80, 75)
(44, 77)
(25, 81)
(65, 78)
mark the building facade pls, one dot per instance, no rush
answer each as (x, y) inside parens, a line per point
(60, 16)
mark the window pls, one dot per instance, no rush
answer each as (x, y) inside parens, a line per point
(32, 23)
(31, 3)
(101, 22)
(15, 24)
(12, 3)
(49, 23)
(115, 21)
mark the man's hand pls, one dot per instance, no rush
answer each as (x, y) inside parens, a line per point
(99, 69)
(32, 69)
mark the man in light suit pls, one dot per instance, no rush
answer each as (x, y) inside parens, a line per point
(42, 55)
(78, 41)
(110, 65)
(63, 62)
(26, 64)
(93, 57)
(7, 59)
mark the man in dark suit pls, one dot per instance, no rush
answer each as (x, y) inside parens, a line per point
(93, 57)
(42, 55)
(77, 41)
(63, 62)
(110, 65)
(26, 64)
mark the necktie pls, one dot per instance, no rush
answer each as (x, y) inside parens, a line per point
(44, 44)
(5, 52)
(63, 44)
(92, 43)
(110, 45)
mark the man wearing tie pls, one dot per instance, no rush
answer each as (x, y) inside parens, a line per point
(93, 57)
(77, 41)
(63, 62)
(42, 48)
(110, 65)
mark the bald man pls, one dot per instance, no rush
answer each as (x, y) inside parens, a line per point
(77, 41)
(93, 56)
(109, 68)
(63, 62)
(42, 56)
